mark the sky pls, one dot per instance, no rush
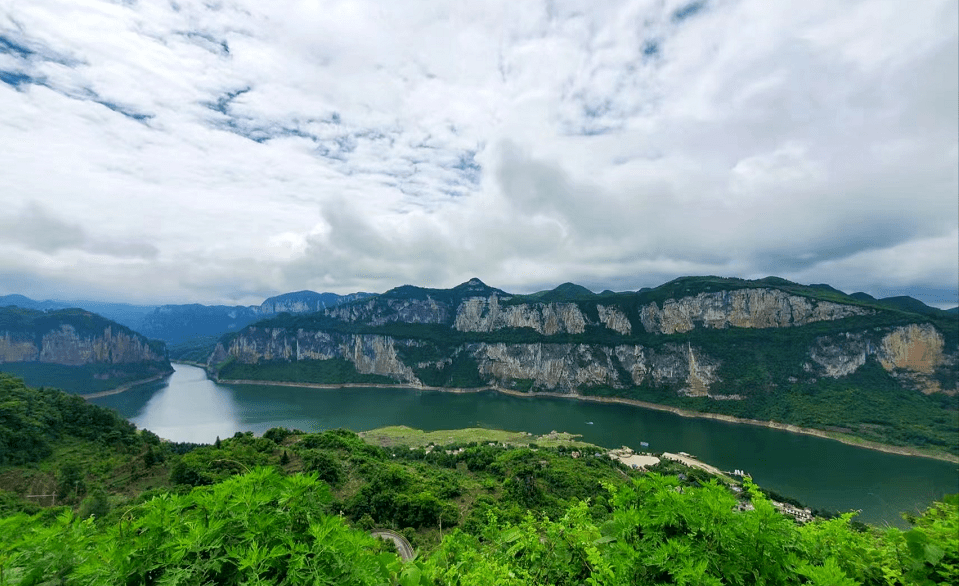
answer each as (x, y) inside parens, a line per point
(213, 151)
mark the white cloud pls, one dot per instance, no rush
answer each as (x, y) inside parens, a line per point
(214, 152)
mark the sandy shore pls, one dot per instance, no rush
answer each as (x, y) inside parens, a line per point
(638, 460)
(693, 463)
(843, 438)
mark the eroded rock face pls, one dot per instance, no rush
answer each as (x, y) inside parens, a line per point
(17, 350)
(915, 347)
(65, 346)
(841, 356)
(562, 367)
(913, 353)
(567, 367)
(744, 308)
(614, 319)
(370, 354)
(485, 314)
(377, 312)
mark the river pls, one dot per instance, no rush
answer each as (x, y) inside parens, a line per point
(819, 472)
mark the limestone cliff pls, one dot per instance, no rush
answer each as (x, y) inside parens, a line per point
(743, 308)
(486, 314)
(90, 344)
(378, 312)
(507, 340)
(913, 352)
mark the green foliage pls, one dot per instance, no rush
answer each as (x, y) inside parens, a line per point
(31, 419)
(259, 528)
(325, 465)
(332, 371)
(96, 505)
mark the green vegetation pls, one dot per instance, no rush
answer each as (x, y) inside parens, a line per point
(332, 371)
(195, 350)
(294, 508)
(33, 420)
(86, 379)
(406, 436)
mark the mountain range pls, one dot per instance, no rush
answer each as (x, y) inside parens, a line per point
(883, 370)
(767, 349)
(182, 323)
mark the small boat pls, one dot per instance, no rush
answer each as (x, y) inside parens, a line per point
(644, 444)
(589, 423)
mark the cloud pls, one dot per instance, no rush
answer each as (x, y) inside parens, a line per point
(36, 229)
(226, 151)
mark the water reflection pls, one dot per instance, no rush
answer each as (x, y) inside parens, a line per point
(189, 408)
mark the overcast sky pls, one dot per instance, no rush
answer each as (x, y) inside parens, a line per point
(211, 151)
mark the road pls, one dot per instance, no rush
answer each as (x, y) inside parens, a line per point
(403, 546)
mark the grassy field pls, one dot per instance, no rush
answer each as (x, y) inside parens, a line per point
(402, 435)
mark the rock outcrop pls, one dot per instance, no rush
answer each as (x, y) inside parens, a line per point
(480, 314)
(89, 344)
(742, 308)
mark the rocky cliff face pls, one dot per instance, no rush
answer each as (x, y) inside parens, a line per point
(92, 346)
(67, 347)
(744, 308)
(653, 352)
(378, 312)
(486, 314)
(913, 353)
(370, 354)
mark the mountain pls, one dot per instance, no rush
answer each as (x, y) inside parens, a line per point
(766, 349)
(27, 303)
(177, 324)
(306, 302)
(185, 324)
(76, 350)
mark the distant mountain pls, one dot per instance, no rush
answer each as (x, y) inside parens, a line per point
(306, 302)
(766, 349)
(76, 350)
(565, 292)
(906, 303)
(27, 303)
(953, 310)
(182, 324)
(177, 324)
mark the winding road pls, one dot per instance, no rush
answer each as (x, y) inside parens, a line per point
(403, 546)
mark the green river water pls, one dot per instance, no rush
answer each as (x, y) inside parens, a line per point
(819, 472)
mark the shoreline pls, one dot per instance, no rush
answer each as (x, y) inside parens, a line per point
(125, 387)
(835, 436)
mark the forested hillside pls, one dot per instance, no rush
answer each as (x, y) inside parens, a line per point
(296, 508)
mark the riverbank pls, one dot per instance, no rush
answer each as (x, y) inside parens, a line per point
(840, 437)
(127, 386)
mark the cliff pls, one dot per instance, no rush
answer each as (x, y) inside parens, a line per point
(48, 348)
(733, 346)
